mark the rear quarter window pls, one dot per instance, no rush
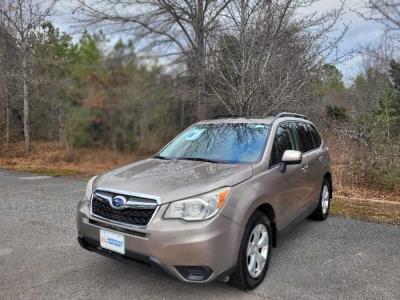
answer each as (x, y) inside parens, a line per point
(306, 141)
(316, 136)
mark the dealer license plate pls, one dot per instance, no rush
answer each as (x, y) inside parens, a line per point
(112, 241)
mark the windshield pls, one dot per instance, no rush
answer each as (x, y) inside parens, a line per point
(221, 142)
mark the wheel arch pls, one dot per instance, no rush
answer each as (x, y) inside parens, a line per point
(268, 210)
(328, 176)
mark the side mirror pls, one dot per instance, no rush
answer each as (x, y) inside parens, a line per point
(290, 157)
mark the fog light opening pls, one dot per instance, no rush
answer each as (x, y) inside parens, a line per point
(194, 273)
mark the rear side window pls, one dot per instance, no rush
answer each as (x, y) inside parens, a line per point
(315, 135)
(283, 141)
(306, 142)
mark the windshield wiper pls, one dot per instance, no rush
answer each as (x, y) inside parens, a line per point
(189, 158)
(161, 157)
(201, 159)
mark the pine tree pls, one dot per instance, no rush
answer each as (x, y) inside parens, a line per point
(394, 72)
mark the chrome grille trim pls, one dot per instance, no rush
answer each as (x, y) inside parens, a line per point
(132, 202)
(128, 193)
(144, 202)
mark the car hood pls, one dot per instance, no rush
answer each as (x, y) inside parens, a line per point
(171, 180)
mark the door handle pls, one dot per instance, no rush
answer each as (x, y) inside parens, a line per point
(304, 169)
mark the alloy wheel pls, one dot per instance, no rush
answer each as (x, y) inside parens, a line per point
(325, 199)
(257, 250)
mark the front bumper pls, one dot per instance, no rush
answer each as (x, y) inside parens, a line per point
(189, 251)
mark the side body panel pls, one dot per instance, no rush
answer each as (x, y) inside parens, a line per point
(285, 194)
(292, 194)
(318, 162)
(316, 173)
(246, 197)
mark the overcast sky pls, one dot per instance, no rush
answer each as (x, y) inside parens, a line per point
(361, 32)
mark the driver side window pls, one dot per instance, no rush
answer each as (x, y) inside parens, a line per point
(283, 141)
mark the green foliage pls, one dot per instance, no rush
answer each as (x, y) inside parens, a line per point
(330, 93)
(366, 113)
(87, 96)
(366, 89)
(337, 113)
(394, 72)
(388, 108)
(86, 55)
(332, 77)
(113, 100)
(387, 111)
(386, 178)
(57, 44)
(78, 126)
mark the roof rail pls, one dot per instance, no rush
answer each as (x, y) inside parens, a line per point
(222, 116)
(288, 114)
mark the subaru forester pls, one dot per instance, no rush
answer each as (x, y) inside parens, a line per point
(211, 203)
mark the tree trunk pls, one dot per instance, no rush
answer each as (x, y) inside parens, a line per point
(182, 112)
(200, 95)
(387, 124)
(243, 21)
(200, 59)
(26, 102)
(60, 127)
(7, 121)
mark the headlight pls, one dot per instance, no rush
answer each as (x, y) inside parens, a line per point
(89, 188)
(198, 208)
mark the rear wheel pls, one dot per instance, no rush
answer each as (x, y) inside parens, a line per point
(254, 254)
(322, 211)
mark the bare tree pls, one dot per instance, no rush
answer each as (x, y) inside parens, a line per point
(23, 17)
(5, 59)
(384, 11)
(268, 54)
(172, 29)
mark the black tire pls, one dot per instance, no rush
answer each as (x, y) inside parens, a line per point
(318, 213)
(241, 278)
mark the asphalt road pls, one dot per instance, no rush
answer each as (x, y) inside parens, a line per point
(40, 257)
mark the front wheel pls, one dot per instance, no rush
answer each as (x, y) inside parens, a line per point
(254, 254)
(322, 211)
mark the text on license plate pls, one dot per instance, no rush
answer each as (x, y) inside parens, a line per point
(112, 241)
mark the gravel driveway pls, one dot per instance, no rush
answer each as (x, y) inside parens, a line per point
(40, 257)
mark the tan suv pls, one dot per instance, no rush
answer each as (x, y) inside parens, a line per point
(210, 204)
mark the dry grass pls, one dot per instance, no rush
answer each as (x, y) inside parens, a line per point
(354, 192)
(54, 159)
(363, 209)
(358, 171)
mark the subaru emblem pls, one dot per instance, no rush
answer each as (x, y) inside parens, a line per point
(118, 202)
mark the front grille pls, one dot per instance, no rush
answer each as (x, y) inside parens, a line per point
(132, 216)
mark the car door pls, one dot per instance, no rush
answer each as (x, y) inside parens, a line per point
(293, 191)
(316, 165)
(310, 161)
